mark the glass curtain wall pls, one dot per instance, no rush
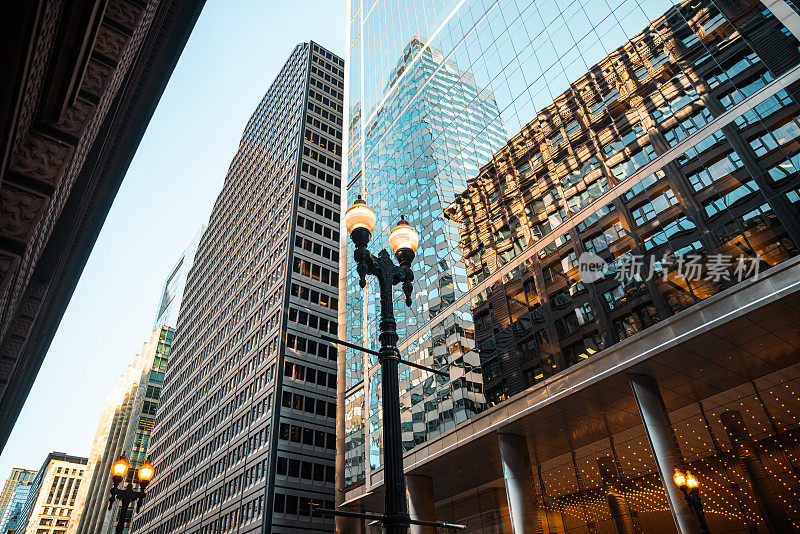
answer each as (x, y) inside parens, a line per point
(518, 136)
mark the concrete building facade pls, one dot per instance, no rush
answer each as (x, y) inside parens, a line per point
(244, 435)
(652, 136)
(50, 507)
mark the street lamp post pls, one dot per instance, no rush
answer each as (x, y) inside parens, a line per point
(690, 487)
(128, 495)
(403, 240)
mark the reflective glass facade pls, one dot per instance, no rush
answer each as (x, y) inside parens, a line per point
(655, 131)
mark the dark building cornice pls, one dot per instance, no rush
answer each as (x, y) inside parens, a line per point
(79, 87)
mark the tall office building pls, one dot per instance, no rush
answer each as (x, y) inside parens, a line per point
(244, 436)
(50, 504)
(172, 294)
(18, 476)
(11, 517)
(631, 257)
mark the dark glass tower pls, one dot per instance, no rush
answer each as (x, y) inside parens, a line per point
(244, 436)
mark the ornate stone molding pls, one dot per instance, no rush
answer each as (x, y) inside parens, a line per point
(124, 13)
(74, 119)
(40, 158)
(20, 210)
(110, 43)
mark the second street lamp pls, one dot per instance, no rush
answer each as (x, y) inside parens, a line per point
(128, 495)
(690, 487)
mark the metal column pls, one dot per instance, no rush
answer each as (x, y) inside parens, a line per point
(421, 504)
(764, 488)
(617, 503)
(664, 446)
(518, 479)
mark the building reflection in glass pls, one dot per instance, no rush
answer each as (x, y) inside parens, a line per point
(732, 195)
(608, 160)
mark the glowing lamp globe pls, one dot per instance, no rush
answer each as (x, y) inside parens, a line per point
(691, 481)
(359, 215)
(679, 478)
(119, 469)
(403, 238)
(146, 472)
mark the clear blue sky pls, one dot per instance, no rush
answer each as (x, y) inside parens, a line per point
(234, 52)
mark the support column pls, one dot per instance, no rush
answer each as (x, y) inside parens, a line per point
(617, 503)
(664, 446)
(421, 504)
(518, 479)
(764, 488)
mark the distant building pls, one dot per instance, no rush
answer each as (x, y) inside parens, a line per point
(10, 519)
(18, 476)
(172, 295)
(50, 505)
(130, 410)
(244, 435)
(124, 428)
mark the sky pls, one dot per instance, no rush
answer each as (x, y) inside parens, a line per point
(234, 52)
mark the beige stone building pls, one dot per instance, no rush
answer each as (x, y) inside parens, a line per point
(50, 507)
(115, 435)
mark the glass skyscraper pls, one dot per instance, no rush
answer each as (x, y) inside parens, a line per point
(642, 175)
(172, 295)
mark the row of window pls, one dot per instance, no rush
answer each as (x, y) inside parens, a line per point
(316, 248)
(311, 320)
(316, 272)
(311, 347)
(309, 374)
(298, 505)
(320, 191)
(307, 436)
(308, 404)
(312, 471)
(314, 296)
(319, 209)
(317, 228)
(320, 173)
(333, 117)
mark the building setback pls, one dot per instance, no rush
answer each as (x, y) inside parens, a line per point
(244, 436)
(50, 505)
(632, 258)
(18, 476)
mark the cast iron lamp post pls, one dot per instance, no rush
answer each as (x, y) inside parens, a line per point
(690, 487)
(128, 495)
(403, 240)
